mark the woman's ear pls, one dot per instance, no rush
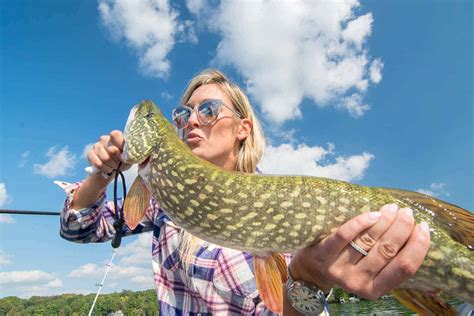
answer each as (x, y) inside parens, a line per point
(245, 128)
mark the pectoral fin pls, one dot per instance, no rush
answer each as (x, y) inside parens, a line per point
(136, 203)
(423, 303)
(270, 275)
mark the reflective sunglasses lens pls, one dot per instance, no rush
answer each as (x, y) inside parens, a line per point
(181, 117)
(208, 111)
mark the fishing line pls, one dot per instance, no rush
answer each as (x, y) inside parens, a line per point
(119, 220)
(109, 265)
(118, 225)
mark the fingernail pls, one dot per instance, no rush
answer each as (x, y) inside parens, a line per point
(374, 215)
(393, 208)
(409, 211)
(424, 226)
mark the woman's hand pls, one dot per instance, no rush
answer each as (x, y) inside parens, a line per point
(396, 248)
(104, 155)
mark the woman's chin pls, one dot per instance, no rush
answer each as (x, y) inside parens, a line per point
(198, 151)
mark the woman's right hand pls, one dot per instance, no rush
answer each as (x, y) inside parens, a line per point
(104, 155)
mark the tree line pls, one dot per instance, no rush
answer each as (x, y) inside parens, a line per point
(128, 302)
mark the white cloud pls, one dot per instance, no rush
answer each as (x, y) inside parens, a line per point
(53, 287)
(89, 270)
(35, 277)
(56, 283)
(28, 283)
(7, 219)
(133, 265)
(313, 161)
(358, 29)
(376, 70)
(150, 27)
(196, 6)
(3, 194)
(165, 95)
(120, 271)
(437, 186)
(94, 271)
(60, 163)
(4, 197)
(23, 159)
(354, 105)
(147, 281)
(137, 252)
(86, 150)
(5, 258)
(436, 189)
(186, 32)
(287, 51)
(427, 192)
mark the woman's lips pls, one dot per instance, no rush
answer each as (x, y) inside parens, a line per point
(193, 138)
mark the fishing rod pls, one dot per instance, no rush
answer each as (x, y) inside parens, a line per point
(118, 225)
(25, 212)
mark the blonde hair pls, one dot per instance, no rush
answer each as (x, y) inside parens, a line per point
(250, 150)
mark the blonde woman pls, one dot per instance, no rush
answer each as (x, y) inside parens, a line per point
(219, 125)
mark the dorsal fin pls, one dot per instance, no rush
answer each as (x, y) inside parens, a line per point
(456, 221)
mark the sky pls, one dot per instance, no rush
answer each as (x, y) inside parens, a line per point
(375, 93)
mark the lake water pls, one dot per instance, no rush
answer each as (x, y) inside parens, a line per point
(385, 306)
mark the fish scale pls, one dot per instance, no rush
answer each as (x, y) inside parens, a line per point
(258, 213)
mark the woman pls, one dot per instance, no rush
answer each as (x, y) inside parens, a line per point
(218, 124)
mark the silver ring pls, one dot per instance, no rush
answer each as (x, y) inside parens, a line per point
(358, 248)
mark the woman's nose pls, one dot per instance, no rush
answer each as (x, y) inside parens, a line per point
(193, 120)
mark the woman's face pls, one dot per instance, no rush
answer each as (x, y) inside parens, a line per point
(217, 142)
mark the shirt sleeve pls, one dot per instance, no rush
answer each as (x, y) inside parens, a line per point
(95, 222)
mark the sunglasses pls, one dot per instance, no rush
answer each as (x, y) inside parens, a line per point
(206, 112)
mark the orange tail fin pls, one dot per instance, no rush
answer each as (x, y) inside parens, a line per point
(423, 303)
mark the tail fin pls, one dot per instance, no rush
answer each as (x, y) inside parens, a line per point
(456, 221)
(423, 303)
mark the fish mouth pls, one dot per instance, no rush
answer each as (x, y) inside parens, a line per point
(143, 164)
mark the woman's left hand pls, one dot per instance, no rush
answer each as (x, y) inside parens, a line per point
(395, 245)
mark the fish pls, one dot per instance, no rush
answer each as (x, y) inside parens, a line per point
(275, 214)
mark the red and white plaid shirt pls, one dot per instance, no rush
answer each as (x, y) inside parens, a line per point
(219, 281)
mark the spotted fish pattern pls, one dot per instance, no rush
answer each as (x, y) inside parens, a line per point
(258, 213)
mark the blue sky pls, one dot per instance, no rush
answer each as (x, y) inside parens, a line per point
(373, 93)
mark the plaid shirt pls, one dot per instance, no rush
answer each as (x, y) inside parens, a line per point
(220, 281)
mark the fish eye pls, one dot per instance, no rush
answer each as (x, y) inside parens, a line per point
(149, 114)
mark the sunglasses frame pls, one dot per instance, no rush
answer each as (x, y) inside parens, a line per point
(196, 109)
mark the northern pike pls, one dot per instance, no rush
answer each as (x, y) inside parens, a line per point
(268, 213)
